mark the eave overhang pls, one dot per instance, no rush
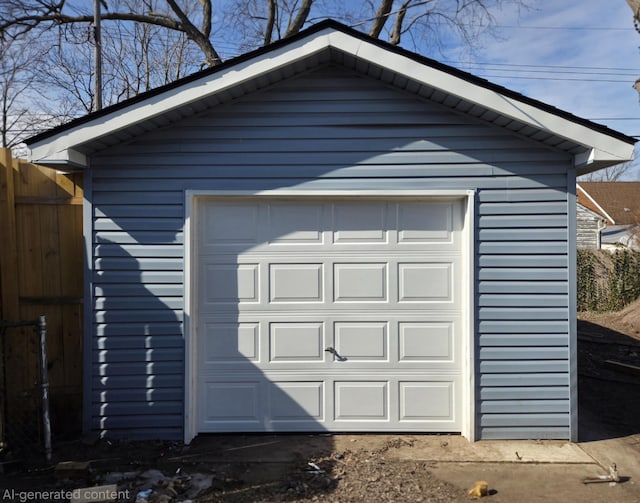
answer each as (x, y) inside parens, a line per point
(592, 145)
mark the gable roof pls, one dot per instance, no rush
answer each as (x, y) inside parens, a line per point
(618, 202)
(593, 146)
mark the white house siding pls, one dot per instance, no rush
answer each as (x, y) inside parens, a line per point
(589, 227)
(332, 129)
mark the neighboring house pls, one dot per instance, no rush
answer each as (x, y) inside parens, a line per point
(589, 228)
(619, 204)
(331, 234)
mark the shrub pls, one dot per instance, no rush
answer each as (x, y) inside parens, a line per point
(607, 281)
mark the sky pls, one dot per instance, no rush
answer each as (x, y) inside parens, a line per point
(581, 56)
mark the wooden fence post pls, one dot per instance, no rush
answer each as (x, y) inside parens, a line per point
(8, 249)
(8, 261)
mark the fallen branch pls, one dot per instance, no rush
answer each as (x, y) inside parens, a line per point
(623, 367)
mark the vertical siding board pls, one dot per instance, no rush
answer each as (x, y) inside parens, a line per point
(573, 302)
(524, 338)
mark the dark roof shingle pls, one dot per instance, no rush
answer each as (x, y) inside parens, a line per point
(620, 200)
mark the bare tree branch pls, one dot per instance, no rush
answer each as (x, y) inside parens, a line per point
(18, 85)
(396, 34)
(381, 16)
(52, 15)
(271, 21)
(211, 55)
(303, 13)
(206, 17)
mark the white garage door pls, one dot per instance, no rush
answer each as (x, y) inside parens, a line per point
(317, 314)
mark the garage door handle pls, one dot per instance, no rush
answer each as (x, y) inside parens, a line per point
(335, 353)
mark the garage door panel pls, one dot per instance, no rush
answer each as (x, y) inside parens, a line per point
(231, 282)
(321, 315)
(317, 402)
(426, 342)
(296, 401)
(427, 401)
(390, 342)
(254, 227)
(425, 282)
(362, 341)
(231, 401)
(294, 224)
(417, 282)
(296, 283)
(360, 282)
(362, 224)
(235, 224)
(231, 343)
(296, 342)
(361, 401)
(426, 222)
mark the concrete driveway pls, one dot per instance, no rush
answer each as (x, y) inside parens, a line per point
(517, 471)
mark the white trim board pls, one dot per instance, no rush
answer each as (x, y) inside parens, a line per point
(608, 217)
(193, 198)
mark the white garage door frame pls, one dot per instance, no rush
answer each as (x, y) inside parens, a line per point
(194, 197)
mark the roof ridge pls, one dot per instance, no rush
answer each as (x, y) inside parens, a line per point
(336, 25)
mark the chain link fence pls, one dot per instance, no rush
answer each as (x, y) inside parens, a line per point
(25, 431)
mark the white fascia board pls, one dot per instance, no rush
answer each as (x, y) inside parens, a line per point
(595, 159)
(604, 148)
(68, 158)
(57, 148)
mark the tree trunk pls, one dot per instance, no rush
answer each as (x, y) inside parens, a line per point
(397, 26)
(271, 21)
(382, 14)
(303, 13)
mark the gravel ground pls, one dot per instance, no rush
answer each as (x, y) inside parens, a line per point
(349, 477)
(177, 473)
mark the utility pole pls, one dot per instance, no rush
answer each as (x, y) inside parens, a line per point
(97, 54)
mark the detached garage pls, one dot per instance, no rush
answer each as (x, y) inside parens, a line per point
(331, 234)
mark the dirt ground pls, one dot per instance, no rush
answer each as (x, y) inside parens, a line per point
(316, 468)
(608, 385)
(245, 468)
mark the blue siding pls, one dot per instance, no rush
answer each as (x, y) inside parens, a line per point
(331, 129)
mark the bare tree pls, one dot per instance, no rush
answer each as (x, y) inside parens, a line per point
(18, 84)
(70, 71)
(429, 20)
(48, 79)
(262, 21)
(20, 17)
(141, 56)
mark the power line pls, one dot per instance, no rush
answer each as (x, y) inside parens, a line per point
(555, 79)
(563, 28)
(565, 72)
(452, 62)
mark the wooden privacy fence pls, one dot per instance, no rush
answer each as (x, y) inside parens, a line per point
(41, 273)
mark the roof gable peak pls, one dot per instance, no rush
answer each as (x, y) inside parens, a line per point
(592, 145)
